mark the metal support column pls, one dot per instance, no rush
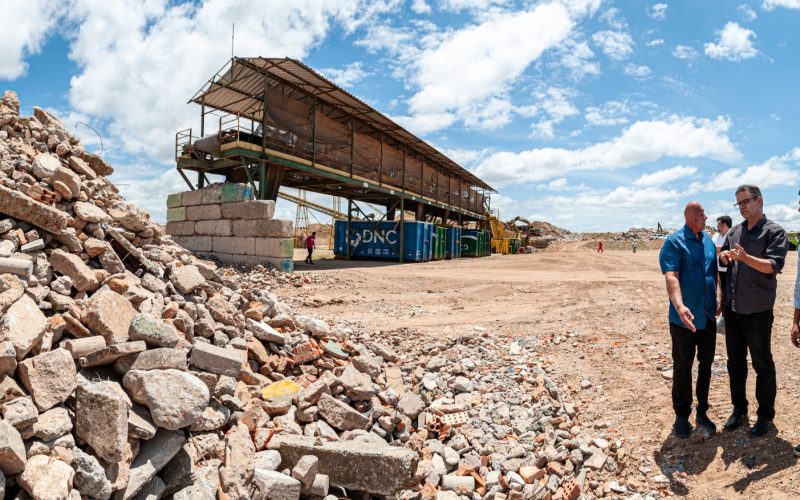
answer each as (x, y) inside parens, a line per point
(314, 135)
(349, 220)
(262, 164)
(200, 177)
(402, 229)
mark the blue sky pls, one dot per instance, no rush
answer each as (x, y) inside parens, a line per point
(590, 114)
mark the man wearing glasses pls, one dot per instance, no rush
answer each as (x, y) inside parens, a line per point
(796, 318)
(754, 252)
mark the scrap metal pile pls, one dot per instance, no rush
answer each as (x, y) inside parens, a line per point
(132, 369)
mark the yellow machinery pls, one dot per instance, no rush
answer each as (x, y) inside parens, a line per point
(502, 234)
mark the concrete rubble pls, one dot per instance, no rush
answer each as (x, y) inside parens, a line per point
(132, 369)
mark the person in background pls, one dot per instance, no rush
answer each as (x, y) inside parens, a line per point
(310, 245)
(634, 245)
(754, 252)
(599, 247)
(689, 264)
(724, 224)
(796, 317)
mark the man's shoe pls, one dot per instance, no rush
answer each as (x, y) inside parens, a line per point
(735, 420)
(682, 427)
(797, 450)
(702, 419)
(761, 427)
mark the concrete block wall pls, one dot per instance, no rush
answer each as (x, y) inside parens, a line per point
(224, 221)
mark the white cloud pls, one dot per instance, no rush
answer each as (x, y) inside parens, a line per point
(577, 58)
(637, 71)
(777, 171)
(748, 13)
(128, 54)
(665, 176)
(610, 113)
(615, 44)
(420, 7)
(656, 42)
(642, 142)
(347, 76)
(788, 4)
(734, 44)
(786, 215)
(475, 64)
(555, 103)
(24, 25)
(684, 52)
(492, 114)
(657, 11)
(471, 5)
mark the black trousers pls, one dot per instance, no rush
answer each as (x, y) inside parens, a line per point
(751, 332)
(685, 346)
(310, 251)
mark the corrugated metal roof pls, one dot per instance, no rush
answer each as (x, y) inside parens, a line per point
(239, 89)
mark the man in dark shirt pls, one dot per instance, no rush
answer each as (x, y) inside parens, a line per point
(688, 261)
(754, 252)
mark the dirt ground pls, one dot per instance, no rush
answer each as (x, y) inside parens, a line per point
(600, 318)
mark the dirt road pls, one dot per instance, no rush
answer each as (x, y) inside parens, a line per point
(601, 324)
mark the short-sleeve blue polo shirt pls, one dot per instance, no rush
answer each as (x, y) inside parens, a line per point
(695, 261)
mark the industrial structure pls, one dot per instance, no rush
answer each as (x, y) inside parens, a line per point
(276, 122)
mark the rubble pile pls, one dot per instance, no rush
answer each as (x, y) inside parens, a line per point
(132, 369)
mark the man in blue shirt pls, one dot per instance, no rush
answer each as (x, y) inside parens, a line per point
(689, 262)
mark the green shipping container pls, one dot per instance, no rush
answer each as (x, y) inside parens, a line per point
(513, 245)
(439, 243)
(470, 246)
(487, 244)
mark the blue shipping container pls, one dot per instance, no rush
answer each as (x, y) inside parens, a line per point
(381, 240)
(453, 243)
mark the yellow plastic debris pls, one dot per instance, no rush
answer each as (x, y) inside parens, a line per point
(279, 389)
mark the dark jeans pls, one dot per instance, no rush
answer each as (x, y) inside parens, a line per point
(751, 332)
(310, 251)
(685, 345)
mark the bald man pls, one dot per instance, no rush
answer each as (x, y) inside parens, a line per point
(689, 263)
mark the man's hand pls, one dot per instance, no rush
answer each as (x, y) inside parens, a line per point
(795, 334)
(737, 253)
(725, 258)
(686, 318)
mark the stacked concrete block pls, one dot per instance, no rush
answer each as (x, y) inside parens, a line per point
(224, 221)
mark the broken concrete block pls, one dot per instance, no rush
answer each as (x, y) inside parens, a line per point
(176, 399)
(380, 470)
(340, 415)
(186, 279)
(90, 478)
(91, 212)
(320, 486)
(154, 332)
(49, 377)
(305, 470)
(276, 486)
(23, 324)
(12, 449)
(20, 412)
(161, 358)
(153, 456)
(47, 478)
(52, 424)
(101, 419)
(110, 315)
(20, 267)
(215, 359)
(44, 165)
(21, 207)
(85, 346)
(108, 355)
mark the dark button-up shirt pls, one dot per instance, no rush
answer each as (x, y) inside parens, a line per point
(693, 257)
(749, 291)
